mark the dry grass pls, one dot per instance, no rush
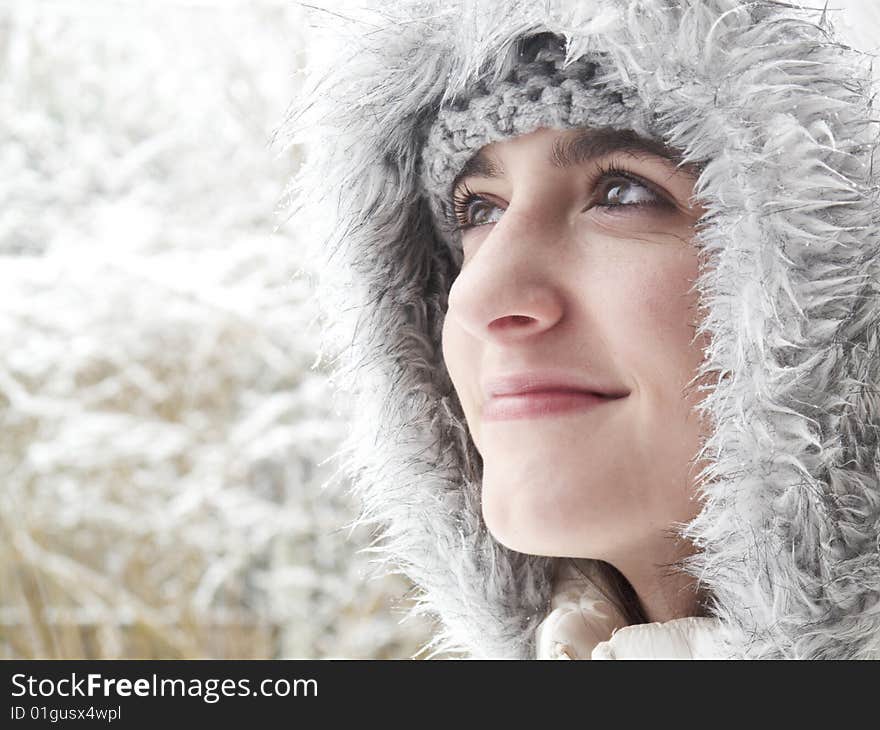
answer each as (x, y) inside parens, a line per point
(164, 429)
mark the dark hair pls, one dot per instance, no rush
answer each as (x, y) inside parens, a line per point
(616, 588)
(619, 591)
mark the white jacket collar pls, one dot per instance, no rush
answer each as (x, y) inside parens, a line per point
(584, 624)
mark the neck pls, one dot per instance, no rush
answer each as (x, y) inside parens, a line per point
(665, 592)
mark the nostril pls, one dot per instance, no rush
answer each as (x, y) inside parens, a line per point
(512, 321)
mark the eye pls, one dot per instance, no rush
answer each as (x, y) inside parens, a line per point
(621, 189)
(472, 210)
(618, 191)
(626, 193)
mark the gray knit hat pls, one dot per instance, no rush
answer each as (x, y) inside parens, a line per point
(539, 90)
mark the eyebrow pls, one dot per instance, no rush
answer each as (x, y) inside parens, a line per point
(575, 149)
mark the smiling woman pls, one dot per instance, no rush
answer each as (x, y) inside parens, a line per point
(618, 268)
(568, 339)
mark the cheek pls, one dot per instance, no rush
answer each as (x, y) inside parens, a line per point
(459, 355)
(657, 312)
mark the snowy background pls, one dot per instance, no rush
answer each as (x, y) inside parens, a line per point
(166, 422)
(163, 427)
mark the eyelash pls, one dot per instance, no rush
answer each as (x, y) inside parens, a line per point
(464, 196)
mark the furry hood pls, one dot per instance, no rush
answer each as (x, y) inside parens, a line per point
(780, 113)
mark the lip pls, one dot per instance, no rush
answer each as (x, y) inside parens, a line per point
(533, 394)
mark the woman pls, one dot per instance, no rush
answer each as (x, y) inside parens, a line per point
(614, 268)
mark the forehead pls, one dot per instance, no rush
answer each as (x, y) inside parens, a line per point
(570, 148)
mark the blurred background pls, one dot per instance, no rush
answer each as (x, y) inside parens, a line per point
(164, 431)
(166, 421)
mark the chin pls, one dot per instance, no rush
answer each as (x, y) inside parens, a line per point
(521, 541)
(529, 518)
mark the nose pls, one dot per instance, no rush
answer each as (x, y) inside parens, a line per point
(507, 292)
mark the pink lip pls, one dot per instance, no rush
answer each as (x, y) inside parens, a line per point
(536, 393)
(535, 404)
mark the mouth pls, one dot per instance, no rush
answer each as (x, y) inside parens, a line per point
(543, 403)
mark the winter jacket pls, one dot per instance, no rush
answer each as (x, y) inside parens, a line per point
(584, 624)
(778, 113)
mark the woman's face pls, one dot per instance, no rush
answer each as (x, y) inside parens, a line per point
(576, 280)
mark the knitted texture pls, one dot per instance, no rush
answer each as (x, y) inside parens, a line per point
(540, 90)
